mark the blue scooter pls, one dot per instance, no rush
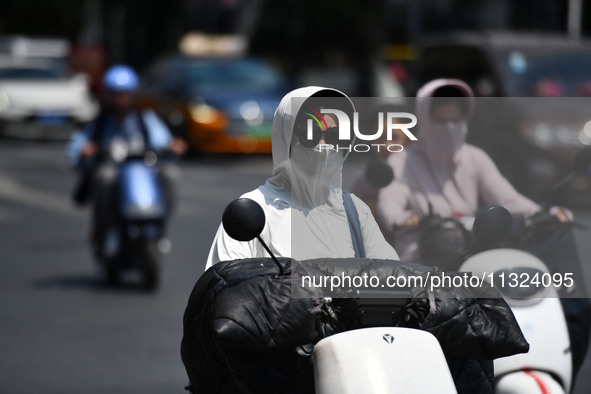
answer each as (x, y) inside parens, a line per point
(134, 229)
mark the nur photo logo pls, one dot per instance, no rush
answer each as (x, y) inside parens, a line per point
(339, 138)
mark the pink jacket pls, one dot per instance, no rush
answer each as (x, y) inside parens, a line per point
(441, 169)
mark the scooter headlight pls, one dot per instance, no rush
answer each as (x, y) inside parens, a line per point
(118, 150)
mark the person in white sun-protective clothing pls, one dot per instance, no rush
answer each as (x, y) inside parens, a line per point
(303, 199)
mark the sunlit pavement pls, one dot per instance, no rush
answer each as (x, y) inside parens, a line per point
(62, 329)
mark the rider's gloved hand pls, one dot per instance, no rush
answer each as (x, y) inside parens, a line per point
(564, 215)
(412, 221)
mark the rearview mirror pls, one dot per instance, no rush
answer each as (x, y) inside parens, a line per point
(243, 219)
(492, 225)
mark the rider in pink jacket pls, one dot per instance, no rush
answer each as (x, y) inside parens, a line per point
(442, 170)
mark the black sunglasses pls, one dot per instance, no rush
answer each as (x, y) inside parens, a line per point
(331, 135)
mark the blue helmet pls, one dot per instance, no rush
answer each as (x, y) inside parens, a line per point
(120, 78)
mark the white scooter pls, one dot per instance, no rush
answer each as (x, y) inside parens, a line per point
(531, 290)
(366, 360)
(526, 284)
(381, 360)
(547, 367)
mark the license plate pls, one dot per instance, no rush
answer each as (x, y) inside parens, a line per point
(51, 118)
(262, 130)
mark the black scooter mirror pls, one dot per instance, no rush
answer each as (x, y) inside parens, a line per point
(583, 162)
(492, 225)
(243, 219)
(378, 173)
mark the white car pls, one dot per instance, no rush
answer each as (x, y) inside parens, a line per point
(38, 99)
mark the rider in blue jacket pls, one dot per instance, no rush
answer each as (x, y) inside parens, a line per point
(120, 118)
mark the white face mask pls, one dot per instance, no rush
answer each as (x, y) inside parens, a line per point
(315, 173)
(449, 136)
(315, 162)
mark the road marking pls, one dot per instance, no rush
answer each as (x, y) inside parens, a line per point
(16, 192)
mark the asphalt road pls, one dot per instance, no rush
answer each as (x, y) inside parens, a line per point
(62, 330)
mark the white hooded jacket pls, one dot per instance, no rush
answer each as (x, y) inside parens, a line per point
(302, 201)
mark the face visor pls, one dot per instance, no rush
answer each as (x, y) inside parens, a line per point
(319, 146)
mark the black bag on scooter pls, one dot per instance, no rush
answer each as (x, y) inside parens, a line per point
(243, 325)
